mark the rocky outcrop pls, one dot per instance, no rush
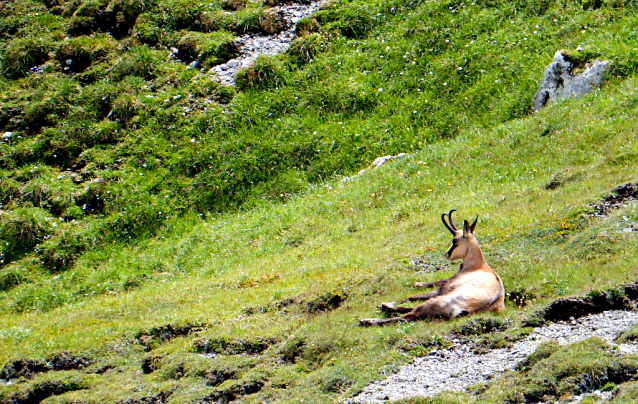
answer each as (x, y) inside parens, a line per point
(562, 80)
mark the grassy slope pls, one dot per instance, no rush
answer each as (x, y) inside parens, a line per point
(108, 154)
(353, 239)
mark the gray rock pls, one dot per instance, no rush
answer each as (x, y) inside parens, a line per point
(559, 81)
(232, 63)
(69, 61)
(193, 65)
(7, 136)
(379, 161)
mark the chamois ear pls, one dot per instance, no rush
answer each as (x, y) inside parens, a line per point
(466, 228)
(473, 225)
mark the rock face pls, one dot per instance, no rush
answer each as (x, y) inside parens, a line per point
(560, 82)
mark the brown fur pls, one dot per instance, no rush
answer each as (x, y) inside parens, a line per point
(474, 288)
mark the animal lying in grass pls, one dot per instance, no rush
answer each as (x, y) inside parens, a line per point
(474, 288)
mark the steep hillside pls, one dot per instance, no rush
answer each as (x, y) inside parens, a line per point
(167, 239)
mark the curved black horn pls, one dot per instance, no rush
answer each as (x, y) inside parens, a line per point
(450, 226)
(449, 216)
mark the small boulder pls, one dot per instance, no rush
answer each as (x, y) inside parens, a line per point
(559, 80)
(379, 161)
(7, 136)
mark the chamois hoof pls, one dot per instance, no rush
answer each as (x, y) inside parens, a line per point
(388, 307)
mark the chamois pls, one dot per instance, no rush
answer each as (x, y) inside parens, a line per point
(474, 288)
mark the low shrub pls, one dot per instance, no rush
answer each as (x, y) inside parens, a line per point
(21, 230)
(22, 54)
(263, 73)
(353, 21)
(303, 49)
(307, 26)
(140, 61)
(233, 5)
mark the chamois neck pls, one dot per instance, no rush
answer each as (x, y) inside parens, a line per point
(473, 259)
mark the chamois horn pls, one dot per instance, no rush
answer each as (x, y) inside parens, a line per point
(451, 227)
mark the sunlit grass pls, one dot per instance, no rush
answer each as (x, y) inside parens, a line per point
(354, 237)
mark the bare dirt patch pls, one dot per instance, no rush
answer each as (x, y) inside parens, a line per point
(26, 368)
(157, 335)
(619, 197)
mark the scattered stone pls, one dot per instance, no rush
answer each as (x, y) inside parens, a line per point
(424, 265)
(456, 369)
(193, 65)
(7, 136)
(559, 80)
(378, 162)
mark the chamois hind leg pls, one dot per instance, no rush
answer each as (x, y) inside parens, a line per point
(435, 307)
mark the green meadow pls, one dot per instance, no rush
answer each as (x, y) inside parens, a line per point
(168, 239)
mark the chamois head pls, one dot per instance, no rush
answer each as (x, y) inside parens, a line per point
(463, 241)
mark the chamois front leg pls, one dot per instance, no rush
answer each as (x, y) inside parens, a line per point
(423, 285)
(391, 307)
(420, 298)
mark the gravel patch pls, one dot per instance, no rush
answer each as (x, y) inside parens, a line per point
(457, 367)
(253, 45)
